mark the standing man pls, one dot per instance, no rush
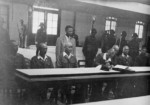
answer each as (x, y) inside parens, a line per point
(121, 42)
(22, 34)
(134, 46)
(104, 42)
(41, 37)
(90, 48)
(60, 43)
(111, 39)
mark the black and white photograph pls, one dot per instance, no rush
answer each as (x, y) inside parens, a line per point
(74, 52)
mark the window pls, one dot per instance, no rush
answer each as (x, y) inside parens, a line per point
(139, 26)
(49, 17)
(38, 17)
(52, 21)
(110, 23)
(4, 15)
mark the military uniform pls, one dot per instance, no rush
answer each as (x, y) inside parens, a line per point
(90, 49)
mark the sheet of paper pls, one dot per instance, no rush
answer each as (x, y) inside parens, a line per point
(120, 67)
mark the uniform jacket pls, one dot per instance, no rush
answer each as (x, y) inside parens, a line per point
(124, 60)
(39, 62)
(65, 61)
(121, 43)
(101, 59)
(41, 36)
(141, 60)
(90, 47)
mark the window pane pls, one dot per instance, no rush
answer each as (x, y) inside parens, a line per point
(54, 31)
(107, 25)
(38, 17)
(49, 24)
(107, 22)
(50, 17)
(136, 28)
(49, 30)
(113, 25)
(55, 24)
(141, 31)
(52, 21)
(55, 17)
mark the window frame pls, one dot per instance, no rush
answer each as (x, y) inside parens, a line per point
(45, 19)
(111, 20)
(139, 24)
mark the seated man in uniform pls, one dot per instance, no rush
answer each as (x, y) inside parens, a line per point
(100, 90)
(105, 58)
(124, 58)
(66, 60)
(19, 60)
(114, 58)
(142, 58)
(125, 87)
(19, 63)
(42, 60)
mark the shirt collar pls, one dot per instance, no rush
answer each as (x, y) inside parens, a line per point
(67, 37)
(104, 57)
(39, 57)
(68, 56)
(124, 55)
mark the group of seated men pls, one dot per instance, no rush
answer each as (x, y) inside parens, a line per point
(67, 59)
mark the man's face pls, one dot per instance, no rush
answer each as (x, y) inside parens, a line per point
(144, 51)
(126, 50)
(93, 33)
(112, 54)
(43, 50)
(69, 48)
(116, 49)
(69, 31)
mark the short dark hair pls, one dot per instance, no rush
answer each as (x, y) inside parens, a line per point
(124, 33)
(67, 27)
(112, 32)
(135, 35)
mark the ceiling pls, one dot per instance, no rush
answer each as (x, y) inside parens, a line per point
(95, 6)
(138, 1)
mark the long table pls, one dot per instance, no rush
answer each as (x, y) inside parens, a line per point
(59, 74)
(143, 100)
(44, 78)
